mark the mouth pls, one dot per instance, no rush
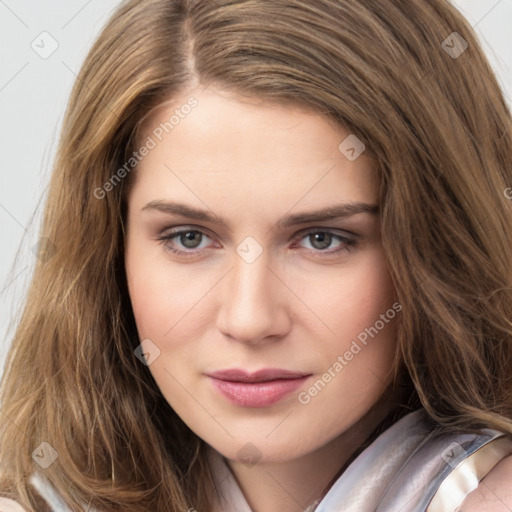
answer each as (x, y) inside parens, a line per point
(258, 389)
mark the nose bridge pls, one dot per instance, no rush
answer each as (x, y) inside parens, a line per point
(250, 282)
(251, 308)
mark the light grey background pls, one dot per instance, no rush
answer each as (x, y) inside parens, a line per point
(34, 89)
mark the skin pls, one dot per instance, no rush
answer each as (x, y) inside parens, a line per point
(494, 494)
(295, 307)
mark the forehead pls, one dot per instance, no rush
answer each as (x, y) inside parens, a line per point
(236, 143)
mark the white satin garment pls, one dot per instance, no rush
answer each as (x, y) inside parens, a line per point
(408, 468)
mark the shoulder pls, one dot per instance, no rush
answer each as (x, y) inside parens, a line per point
(494, 493)
(7, 505)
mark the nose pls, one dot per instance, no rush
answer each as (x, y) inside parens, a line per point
(254, 306)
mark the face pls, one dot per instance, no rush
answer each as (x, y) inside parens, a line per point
(264, 304)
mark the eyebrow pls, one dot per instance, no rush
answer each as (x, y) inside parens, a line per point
(334, 212)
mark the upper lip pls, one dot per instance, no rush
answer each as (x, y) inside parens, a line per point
(239, 375)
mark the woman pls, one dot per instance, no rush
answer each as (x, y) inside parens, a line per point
(278, 271)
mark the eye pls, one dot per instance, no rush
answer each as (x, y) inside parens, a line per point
(189, 239)
(320, 240)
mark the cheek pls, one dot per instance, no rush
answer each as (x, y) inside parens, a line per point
(151, 299)
(358, 358)
(370, 293)
(350, 300)
(163, 301)
(160, 294)
(361, 311)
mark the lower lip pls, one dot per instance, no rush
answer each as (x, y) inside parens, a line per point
(257, 394)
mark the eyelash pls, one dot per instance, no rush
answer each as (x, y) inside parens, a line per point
(349, 243)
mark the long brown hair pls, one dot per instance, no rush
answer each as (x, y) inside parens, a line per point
(398, 75)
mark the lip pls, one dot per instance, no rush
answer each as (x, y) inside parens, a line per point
(262, 388)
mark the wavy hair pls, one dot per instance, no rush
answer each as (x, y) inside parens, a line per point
(394, 74)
